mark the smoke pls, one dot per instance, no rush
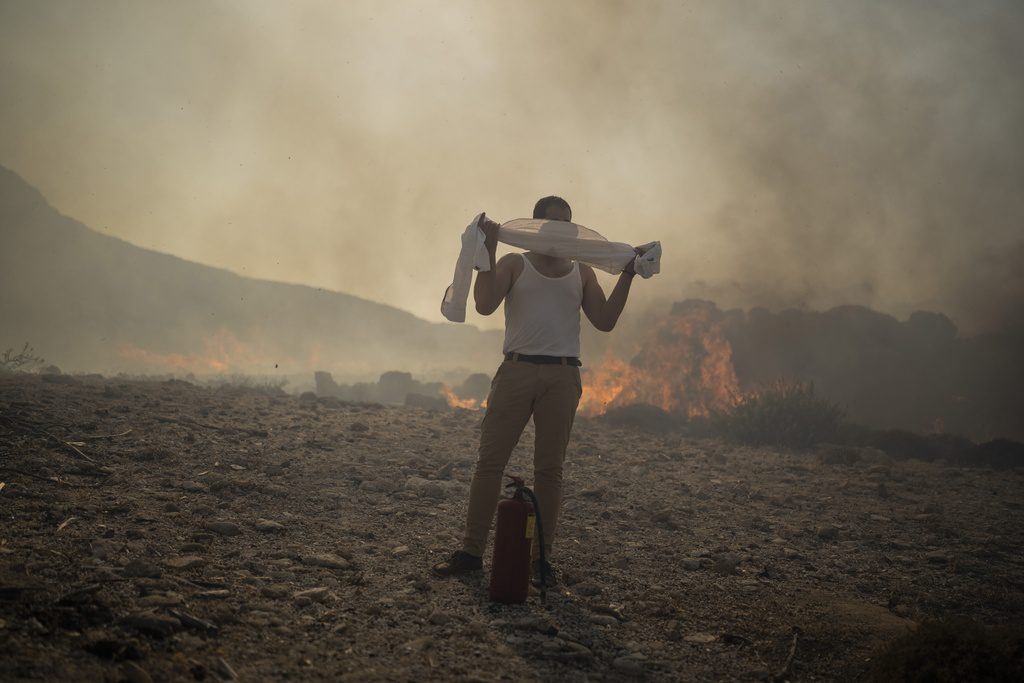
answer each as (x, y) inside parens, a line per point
(801, 154)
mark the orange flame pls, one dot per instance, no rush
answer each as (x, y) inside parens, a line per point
(684, 365)
(455, 402)
(221, 352)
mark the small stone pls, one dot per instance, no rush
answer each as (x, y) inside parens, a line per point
(142, 569)
(419, 644)
(536, 623)
(726, 564)
(275, 592)
(359, 427)
(268, 526)
(329, 561)
(603, 620)
(937, 556)
(438, 618)
(588, 589)
(171, 507)
(400, 551)
(425, 488)
(103, 549)
(690, 563)
(223, 528)
(133, 673)
(827, 532)
(664, 519)
(152, 623)
(312, 594)
(700, 638)
(675, 631)
(160, 600)
(376, 486)
(185, 562)
(631, 664)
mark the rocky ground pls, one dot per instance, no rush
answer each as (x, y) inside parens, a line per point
(164, 531)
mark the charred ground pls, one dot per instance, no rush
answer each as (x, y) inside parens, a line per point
(244, 532)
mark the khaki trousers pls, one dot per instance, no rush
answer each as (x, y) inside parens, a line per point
(551, 394)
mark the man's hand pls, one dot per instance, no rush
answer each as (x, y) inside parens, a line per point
(630, 268)
(489, 227)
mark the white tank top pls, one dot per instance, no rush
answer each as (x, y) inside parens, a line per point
(542, 314)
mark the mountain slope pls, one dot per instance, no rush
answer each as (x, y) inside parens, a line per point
(88, 301)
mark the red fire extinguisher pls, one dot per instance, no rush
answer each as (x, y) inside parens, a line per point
(517, 522)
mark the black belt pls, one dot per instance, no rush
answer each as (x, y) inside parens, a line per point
(543, 360)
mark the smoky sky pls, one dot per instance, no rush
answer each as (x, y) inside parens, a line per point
(786, 154)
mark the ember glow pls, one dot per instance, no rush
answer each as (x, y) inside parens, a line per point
(221, 352)
(683, 366)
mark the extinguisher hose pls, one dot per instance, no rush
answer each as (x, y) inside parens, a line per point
(540, 542)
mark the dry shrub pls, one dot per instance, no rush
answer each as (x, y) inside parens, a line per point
(953, 650)
(19, 361)
(786, 413)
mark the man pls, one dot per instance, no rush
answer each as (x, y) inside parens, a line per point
(540, 376)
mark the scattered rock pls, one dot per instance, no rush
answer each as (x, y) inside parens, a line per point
(267, 526)
(827, 532)
(142, 569)
(359, 427)
(588, 588)
(726, 564)
(223, 528)
(418, 644)
(152, 623)
(104, 549)
(328, 561)
(400, 551)
(438, 618)
(185, 562)
(425, 488)
(630, 664)
(319, 594)
(133, 673)
(160, 600)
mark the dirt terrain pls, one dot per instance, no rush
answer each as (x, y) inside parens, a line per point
(165, 531)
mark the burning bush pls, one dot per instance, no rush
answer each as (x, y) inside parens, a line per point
(786, 413)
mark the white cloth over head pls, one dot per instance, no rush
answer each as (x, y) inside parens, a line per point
(551, 238)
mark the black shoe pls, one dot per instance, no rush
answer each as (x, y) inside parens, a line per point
(459, 563)
(550, 578)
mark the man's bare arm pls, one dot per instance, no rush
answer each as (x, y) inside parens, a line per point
(604, 313)
(491, 286)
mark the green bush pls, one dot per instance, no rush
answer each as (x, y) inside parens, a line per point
(953, 650)
(786, 413)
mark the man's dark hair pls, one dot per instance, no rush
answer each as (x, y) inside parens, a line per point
(540, 209)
